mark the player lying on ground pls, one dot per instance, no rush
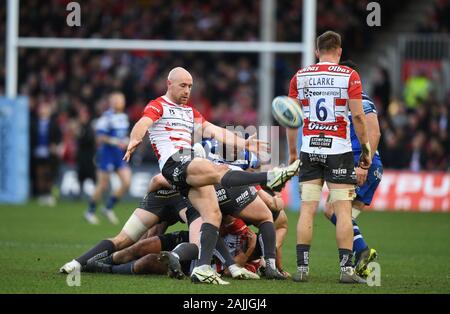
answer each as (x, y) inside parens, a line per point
(242, 202)
(171, 124)
(368, 181)
(143, 257)
(164, 205)
(244, 246)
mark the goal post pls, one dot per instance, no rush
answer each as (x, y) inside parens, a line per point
(266, 48)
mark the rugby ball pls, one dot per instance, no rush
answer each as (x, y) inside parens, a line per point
(287, 112)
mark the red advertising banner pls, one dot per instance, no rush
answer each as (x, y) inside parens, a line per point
(411, 191)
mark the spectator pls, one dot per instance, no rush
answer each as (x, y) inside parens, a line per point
(45, 138)
(85, 148)
(417, 89)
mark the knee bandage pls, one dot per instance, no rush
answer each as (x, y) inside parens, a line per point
(347, 194)
(310, 192)
(134, 228)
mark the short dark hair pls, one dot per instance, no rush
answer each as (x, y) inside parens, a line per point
(350, 64)
(328, 41)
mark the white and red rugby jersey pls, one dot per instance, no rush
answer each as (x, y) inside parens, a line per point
(173, 127)
(236, 237)
(323, 90)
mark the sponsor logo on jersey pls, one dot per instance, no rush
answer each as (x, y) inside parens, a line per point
(336, 68)
(336, 129)
(320, 158)
(339, 171)
(242, 198)
(320, 142)
(155, 108)
(323, 127)
(310, 93)
(221, 195)
(309, 69)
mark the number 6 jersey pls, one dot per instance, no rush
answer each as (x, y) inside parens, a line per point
(323, 90)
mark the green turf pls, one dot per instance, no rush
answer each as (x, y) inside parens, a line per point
(35, 241)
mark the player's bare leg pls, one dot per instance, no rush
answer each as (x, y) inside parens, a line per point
(137, 250)
(310, 193)
(341, 196)
(147, 264)
(363, 254)
(259, 214)
(100, 188)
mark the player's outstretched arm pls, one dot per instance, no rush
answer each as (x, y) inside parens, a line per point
(137, 133)
(359, 122)
(227, 137)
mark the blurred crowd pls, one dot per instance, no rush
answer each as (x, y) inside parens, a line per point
(74, 84)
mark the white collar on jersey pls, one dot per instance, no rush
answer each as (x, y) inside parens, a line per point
(171, 102)
(325, 62)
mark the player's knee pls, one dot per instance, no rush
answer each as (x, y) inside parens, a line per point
(213, 216)
(328, 210)
(310, 192)
(134, 228)
(126, 181)
(122, 240)
(346, 194)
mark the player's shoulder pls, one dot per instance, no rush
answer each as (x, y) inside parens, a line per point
(326, 67)
(156, 104)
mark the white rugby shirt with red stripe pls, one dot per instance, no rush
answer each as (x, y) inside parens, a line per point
(324, 89)
(173, 127)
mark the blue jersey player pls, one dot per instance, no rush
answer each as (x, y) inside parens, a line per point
(112, 139)
(367, 180)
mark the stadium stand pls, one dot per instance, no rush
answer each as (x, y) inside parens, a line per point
(71, 81)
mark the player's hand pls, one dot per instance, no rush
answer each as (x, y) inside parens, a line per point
(361, 175)
(284, 273)
(365, 159)
(131, 148)
(257, 146)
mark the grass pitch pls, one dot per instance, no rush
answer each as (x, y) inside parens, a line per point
(35, 241)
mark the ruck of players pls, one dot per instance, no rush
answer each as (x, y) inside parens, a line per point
(235, 216)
